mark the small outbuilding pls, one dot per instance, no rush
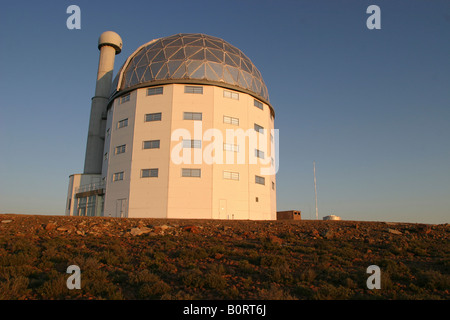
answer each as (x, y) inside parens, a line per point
(289, 215)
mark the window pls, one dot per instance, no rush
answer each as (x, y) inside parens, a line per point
(193, 89)
(256, 199)
(90, 206)
(125, 98)
(273, 185)
(260, 180)
(118, 176)
(230, 147)
(259, 154)
(231, 175)
(259, 128)
(120, 149)
(151, 144)
(82, 206)
(122, 123)
(192, 143)
(196, 173)
(155, 91)
(192, 116)
(258, 104)
(105, 157)
(108, 131)
(231, 120)
(149, 173)
(230, 95)
(153, 117)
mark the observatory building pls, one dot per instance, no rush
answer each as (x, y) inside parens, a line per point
(185, 130)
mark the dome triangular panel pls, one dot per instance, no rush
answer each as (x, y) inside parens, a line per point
(191, 56)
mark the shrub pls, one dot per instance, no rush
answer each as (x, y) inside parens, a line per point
(433, 280)
(231, 293)
(308, 275)
(273, 261)
(396, 269)
(193, 278)
(274, 292)
(143, 276)
(14, 288)
(216, 249)
(192, 253)
(302, 291)
(303, 248)
(350, 283)
(215, 268)
(85, 264)
(280, 275)
(153, 290)
(386, 282)
(54, 288)
(215, 281)
(246, 267)
(329, 292)
(98, 284)
(168, 268)
(17, 259)
(109, 258)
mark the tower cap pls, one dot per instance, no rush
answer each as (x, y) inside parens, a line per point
(110, 38)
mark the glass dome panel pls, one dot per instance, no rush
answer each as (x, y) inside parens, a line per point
(190, 56)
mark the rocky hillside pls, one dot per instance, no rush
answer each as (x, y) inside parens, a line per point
(210, 259)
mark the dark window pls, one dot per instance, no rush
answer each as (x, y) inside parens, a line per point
(259, 128)
(121, 149)
(151, 144)
(149, 173)
(196, 173)
(155, 91)
(122, 123)
(118, 176)
(192, 116)
(193, 89)
(258, 104)
(260, 180)
(192, 143)
(259, 154)
(153, 117)
(125, 98)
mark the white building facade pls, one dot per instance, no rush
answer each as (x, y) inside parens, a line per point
(188, 133)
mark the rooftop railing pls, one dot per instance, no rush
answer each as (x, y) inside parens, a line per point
(90, 187)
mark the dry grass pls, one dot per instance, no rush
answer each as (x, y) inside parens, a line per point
(220, 259)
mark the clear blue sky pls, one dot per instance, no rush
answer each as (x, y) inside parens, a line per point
(371, 107)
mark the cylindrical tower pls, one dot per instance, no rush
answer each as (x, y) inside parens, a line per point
(109, 45)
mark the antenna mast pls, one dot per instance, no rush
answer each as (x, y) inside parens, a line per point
(315, 190)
